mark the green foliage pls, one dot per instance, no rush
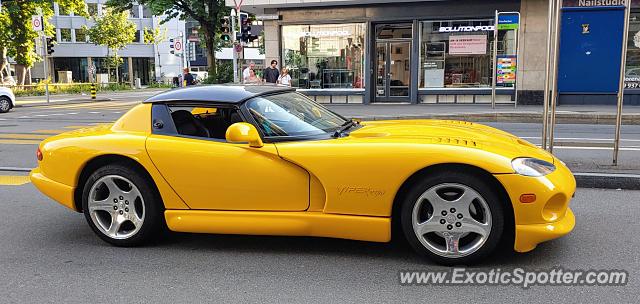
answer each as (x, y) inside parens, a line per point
(15, 24)
(155, 36)
(39, 89)
(224, 75)
(113, 30)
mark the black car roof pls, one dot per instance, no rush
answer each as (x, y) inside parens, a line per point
(216, 93)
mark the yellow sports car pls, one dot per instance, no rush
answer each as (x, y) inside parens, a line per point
(269, 161)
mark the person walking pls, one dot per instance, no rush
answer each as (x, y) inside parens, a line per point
(285, 79)
(188, 78)
(271, 74)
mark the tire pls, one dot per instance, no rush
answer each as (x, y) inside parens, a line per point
(120, 195)
(5, 104)
(453, 218)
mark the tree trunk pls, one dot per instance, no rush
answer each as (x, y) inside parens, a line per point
(108, 67)
(209, 35)
(4, 64)
(20, 74)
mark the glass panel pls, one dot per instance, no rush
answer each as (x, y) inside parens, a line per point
(65, 35)
(324, 56)
(632, 72)
(81, 35)
(381, 82)
(394, 31)
(399, 68)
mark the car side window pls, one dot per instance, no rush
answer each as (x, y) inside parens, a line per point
(204, 121)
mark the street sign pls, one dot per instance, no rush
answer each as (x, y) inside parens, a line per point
(36, 23)
(191, 51)
(177, 45)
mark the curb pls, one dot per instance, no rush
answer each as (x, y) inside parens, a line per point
(62, 102)
(608, 181)
(561, 118)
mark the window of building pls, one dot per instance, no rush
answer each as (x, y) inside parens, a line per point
(325, 56)
(134, 12)
(81, 35)
(138, 37)
(92, 9)
(146, 12)
(65, 35)
(458, 54)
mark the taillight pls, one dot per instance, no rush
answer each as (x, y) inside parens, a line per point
(39, 154)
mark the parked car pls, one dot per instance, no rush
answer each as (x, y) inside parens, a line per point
(7, 99)
(265, 160)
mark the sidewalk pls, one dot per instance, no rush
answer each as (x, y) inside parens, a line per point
(483, 113)
(34, 101)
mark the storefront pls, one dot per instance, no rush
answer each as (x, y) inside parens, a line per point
(415, 52)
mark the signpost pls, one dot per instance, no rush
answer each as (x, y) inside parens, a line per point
(505, 68)
(625, 38)
(37, 24)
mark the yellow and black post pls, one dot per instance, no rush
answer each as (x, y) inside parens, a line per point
(93, 91)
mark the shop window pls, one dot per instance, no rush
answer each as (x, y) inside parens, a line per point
(81, 35)
(632, 72)
(458, 54)
(325, 56)
(146, 12)
(65, 35)
(134, 12)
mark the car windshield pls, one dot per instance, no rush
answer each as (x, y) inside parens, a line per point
(292, 114)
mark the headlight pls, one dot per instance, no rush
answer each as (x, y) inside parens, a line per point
(532, 167)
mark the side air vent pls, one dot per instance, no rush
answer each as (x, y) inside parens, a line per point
(455, 141)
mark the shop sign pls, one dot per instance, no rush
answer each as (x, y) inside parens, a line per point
(322, 34)
(477, 28)
(508, 21)
(506, 70)
(468, 45)
(592, 3)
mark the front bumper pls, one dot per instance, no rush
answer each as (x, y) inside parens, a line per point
(549, 216)
(61, 193)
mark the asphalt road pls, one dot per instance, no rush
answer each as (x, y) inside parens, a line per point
(48, 254)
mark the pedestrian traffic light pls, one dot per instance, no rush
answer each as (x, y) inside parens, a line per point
(245, 28)
(225, 29)
(50, 45)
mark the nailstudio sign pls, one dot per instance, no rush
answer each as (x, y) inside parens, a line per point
(593, 3)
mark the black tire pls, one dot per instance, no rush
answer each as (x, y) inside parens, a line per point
(153, 223)
(5, 104)
(475, 182)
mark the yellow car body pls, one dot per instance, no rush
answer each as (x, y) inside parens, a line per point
(341, 188)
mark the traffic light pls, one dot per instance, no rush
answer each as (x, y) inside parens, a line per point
(225, 29)
(171, 46)
(50, 45)
(245, 28)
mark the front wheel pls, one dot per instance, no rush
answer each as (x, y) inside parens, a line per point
(5, 104)
(453, 218)
(121, 206)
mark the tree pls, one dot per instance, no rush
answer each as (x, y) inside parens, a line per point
(206, 12)
(155, 37)
(113, 30)
(21, 42)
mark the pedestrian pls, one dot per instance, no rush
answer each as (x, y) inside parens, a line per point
(188, 78)
(253, 78)
(285, 78)
(246, 73)
(271, 74)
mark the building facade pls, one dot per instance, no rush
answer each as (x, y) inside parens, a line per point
(74, 53)
(370, 51)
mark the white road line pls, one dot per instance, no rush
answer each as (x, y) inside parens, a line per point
(41, 115)
(608, 174)
(73, 113)
(581, 138)
(594, 148)
(94, 112)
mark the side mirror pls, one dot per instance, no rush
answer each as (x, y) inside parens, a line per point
(241, 132)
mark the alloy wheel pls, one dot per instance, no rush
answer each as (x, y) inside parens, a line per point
(116, 207)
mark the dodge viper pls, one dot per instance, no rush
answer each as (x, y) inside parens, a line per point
(262, 160)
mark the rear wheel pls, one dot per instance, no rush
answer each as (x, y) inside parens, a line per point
(5, 104)
(453, 218)
(121, 206)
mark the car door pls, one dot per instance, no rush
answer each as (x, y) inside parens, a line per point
(212, 174)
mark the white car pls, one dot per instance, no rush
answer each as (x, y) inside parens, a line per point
(7, 99)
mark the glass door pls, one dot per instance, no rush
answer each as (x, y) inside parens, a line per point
(393, 70)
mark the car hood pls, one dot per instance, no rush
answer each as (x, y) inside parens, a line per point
(451, 132)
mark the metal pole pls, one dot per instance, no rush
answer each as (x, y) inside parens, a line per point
(234, 15)
(547, 74)
(44, 65)
(623, 62)
(517, 82)
(554, 88)
(495, 61)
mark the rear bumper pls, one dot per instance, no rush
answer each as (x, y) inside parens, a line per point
(61, 193)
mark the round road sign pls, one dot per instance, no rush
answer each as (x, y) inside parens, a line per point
(177, 46)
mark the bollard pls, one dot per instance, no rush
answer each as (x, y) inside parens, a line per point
(93, 91)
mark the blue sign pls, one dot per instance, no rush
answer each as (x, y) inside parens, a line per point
(508, 21)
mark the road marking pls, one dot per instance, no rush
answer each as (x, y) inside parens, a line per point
(41, 115)
(595, 148)
(19, 142)
(16, 169)
(49, 131)
(22, 136)
(75, 127)
(582, 138)
(608, 175)
(94, 112)
(14, 180)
